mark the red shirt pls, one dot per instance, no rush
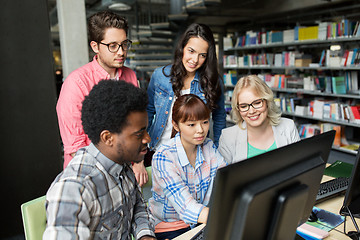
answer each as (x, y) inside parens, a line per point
(73, 91)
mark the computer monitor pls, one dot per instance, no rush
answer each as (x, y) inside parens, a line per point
(352, 197)
(268, 196)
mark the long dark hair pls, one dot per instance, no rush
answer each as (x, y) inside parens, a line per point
(189, 107)
(208, 72)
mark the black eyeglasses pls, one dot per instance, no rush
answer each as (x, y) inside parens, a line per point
(244, 107)
(114, 47)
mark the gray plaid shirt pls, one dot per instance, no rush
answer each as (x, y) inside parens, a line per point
(96, 198)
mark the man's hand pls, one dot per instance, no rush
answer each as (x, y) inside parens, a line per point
(140, 173)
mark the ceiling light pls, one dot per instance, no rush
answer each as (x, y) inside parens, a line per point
(119, 7)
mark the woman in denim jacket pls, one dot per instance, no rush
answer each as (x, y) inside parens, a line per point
(194, 70)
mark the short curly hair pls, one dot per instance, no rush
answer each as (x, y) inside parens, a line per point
(108, 105)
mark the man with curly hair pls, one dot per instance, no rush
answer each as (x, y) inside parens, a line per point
(108, 40)
(97, 196)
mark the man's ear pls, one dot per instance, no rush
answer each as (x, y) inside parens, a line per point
(106, 137)
(94, 46)
(176, 127)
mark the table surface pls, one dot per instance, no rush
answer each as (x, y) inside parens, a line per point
(332, 205)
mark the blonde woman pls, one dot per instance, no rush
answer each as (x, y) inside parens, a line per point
(259, 126)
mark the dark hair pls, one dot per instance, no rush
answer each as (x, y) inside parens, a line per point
(108, 105)
(100, 21)
(208, 72)
(189, 107)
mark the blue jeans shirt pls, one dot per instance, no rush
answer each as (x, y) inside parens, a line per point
(161, 96)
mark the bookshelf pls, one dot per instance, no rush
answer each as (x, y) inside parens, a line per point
(321, 68)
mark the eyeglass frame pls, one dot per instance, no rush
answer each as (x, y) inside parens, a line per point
(119, 45)
(251, 104)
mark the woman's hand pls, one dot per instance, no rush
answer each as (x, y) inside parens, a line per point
(203, 215)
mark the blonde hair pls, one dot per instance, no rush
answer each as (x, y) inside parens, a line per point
(263, 90)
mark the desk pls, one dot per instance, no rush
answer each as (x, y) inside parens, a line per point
(331, 205)
(190, 234)
(334, 205)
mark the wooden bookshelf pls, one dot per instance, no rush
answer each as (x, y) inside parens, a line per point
(256, 53)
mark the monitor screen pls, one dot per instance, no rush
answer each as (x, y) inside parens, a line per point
(269, 195)
(352, 196)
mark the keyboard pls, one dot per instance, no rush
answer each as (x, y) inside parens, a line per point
(332, 188)
(199, 235)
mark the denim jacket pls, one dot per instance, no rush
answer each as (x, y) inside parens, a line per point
(161, 95)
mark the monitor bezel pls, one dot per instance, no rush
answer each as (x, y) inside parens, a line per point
(316, 146)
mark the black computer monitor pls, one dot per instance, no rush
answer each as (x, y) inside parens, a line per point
(269, 195)
(352, 197)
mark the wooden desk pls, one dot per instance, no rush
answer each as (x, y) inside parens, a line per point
(190, 234)
(331, 205)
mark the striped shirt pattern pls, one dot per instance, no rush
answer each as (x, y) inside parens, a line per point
(180, 191)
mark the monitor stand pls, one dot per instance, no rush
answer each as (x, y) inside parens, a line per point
(288, 209)
(353, 234)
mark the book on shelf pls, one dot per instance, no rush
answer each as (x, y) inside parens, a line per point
(270, 59)
(296, 32)
(355, 110)
(294, 82)
(356, 32)
(288, 35)
(322, 58)
(301, 110)
(328, 85)
(330, 126)
(276, 36)
(318, 108)
(333, 58)
(334, 111)
(294, 102)
(278, 60)
(327, 110)
(352, 81)
(309, 83)
(227, 41)
(320, 83)
(230, 61)
(349, 58)
(344, 58)
(308, 33)
(338, 85)
(230, 78)
(284, 104)
(240, 41)
(302, 60)
(351, 147)
(228, 96)
(321, 31)
(309, 130)
(352, 59)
